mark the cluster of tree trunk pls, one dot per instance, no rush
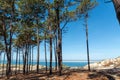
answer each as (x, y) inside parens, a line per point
(25, 24)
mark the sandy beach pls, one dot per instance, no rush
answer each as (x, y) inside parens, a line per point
(70, 74)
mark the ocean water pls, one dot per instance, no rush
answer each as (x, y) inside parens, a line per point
(75, 64)
(68, 63)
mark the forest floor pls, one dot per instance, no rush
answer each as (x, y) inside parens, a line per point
(70, 74)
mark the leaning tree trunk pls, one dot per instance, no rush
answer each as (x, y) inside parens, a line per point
(87, 44)
(6, 48)
(117, 8)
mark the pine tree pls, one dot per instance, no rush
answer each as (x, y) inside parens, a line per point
(83, 11)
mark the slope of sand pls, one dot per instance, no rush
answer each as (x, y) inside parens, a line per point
(105, 64)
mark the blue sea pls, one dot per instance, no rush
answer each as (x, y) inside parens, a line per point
(66, 63)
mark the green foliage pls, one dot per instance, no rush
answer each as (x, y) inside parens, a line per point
(85, 6)
(28, 15)
(58, 3)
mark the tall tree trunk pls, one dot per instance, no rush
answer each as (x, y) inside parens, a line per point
(10, 42)
(7, 50)
(32, 58)
(38, 52)
(5, 38)
(55, 51)
(59, 48)
(50, 55)
(12, 64)
(10, 48)
(8, 66)
(16, 60)
(28, 57)
(19, 60)
(27, 54)
(24, 58)
(45, 51)
(87, 44)
(59, 52)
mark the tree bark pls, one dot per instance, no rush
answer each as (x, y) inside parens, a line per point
(87, 43)
(38, 53)
(7, 50)
(59, 48)
(16, 60)
(24, 60)
(32, 58)
(45, 52)
(19, 60)
(117, 8)
(55, 51)
(50, 55)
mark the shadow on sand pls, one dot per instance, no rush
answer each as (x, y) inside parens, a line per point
(66, 74)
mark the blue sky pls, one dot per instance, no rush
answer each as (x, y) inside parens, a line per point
(104, 35)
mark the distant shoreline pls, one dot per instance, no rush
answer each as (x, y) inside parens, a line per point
(64, 60)
(66, 63)
(69, 63)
